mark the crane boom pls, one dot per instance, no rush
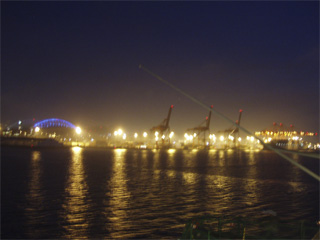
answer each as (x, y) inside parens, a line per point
(168, 118)
(240, 113)
(208, 121)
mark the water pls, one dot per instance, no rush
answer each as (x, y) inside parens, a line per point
(104, 193)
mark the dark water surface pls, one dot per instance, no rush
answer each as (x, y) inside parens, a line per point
(101, 193)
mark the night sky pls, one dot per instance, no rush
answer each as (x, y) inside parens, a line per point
(79, 61)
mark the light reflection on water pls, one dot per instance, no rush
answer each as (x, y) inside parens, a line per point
(151, 194)
(34, 197)
(119, 199)
(75, 205)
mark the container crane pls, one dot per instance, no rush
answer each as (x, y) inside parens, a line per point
(163, 127)
(230, 131)
(202, 129)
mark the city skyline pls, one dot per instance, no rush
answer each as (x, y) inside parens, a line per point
(80, 62)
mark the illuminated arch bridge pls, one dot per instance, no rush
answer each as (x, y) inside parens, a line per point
(54, 122)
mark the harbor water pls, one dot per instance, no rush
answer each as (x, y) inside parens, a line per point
(117, 193)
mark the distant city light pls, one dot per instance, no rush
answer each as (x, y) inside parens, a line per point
(171, 134)
(145, 134)
(78, 130)
(37, 129)
(135, 135)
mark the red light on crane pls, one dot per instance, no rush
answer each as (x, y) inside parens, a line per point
(240, 110)
(171, 106)
(211, 106)
(206, 118)
(281, 124)
(274, 123)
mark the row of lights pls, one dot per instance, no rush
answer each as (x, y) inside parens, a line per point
(120, 133)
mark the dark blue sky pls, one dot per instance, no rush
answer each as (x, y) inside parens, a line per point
(79, 61)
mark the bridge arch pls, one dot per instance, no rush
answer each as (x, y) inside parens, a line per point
(53, 122)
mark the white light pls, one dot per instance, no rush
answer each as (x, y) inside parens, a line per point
(19, 122)
(194, 135)
(157, 138)
(124, 136)
(156, 134)
(135, 135)
(37, 129)
(239, 139)
(186, 135)
(163, 136)
(120, 131)
(171, 134)
(221, 138)
(115, 133)
(252, 138)
(78, 130)
(145, 134)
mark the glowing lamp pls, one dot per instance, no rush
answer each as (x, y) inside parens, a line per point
(78, 130)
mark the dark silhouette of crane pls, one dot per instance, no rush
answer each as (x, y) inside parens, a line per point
(163, 128)
(234, 129)
(202, 128)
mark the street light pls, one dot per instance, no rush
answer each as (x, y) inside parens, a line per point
(120, 131)
(78, 130)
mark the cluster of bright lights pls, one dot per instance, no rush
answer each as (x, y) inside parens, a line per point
(285, 133)
(268, 140)
(212, 137)
(118, 132)
(188, 137)
(230, 137)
